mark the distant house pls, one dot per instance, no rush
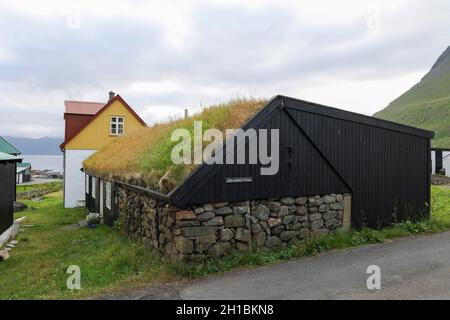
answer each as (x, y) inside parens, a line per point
(7, 190)
(23, 172)
(88, 127)
(440, 161)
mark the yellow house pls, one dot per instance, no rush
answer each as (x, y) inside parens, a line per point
(88, 127)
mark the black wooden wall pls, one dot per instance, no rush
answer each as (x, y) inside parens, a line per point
(7, 193)
(324, 150)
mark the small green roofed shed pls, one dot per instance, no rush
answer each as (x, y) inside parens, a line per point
(6, 147)
(9, 157)
(24, 165)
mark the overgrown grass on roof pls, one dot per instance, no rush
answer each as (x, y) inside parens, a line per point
(145, 155)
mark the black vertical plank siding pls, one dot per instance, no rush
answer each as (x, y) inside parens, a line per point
(7, 193)
(387, 171)
(310, 174)
(386, 166)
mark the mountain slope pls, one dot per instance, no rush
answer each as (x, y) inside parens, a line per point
(41, 146)
(427, 104)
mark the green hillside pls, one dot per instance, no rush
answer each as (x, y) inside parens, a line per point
(427, 104)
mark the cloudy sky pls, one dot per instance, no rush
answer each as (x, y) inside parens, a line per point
(164, 56)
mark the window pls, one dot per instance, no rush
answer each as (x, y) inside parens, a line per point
(87, 184)
(108, 195)
(94, 190)
(116, 126)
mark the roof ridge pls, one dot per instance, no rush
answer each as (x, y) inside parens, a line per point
(7, 142)
(81, 101)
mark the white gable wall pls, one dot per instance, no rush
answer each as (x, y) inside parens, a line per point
(433, 162)
(446, 162)
(74, 181)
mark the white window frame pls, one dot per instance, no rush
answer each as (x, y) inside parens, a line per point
(86, 185)
(115, 120)
(94, 183)
(108, 192)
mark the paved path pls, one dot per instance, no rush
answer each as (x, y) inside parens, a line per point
(38, 181)
(415, 267)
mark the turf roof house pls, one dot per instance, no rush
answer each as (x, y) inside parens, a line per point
(337, 169)
(90, 126)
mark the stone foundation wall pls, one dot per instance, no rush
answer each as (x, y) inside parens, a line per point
(215, 229)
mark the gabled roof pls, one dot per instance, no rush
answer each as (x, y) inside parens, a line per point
(8, 157)
(83, 107)
(112, 162)
(6, 147)
(24, 165)
(21, 169)
(99, 112)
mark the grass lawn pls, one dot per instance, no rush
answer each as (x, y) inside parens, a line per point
(52, 186)
(109, 261)
(37, 266)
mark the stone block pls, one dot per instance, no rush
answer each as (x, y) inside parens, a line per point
(185, 215)
(273, 206)
(258, 239)
(329, 199)
(329, 215)
(316, 225)
(206, 216)
(287, 235)
(302, 210)
(216, 221)
(183, 245)
(223, 211)
(330, 223)
(272, 222)
(199, 210)
(284, 211)
(240, 210)
(242, 235)
(203, 243)
(288, 219)
(219, 249)
(337, 206)
(303, 233)
(287, 201)
(226, 234)
(319, 232)
(272, 242)
(262, 212)
(314, 217)
(220, 204)
(198, 231)
(234, 221)
(301, 200)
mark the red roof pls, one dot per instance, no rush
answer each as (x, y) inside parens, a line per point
(83, 107)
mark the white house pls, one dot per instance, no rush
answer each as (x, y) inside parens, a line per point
(440, 161)
(88, 127)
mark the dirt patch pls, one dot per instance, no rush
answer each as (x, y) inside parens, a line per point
(440, 180)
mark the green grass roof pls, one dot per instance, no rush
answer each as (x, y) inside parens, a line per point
(144, 157)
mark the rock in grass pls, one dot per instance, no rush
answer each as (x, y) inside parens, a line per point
(4, 255)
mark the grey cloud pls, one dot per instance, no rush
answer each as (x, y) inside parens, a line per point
(229, 47)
